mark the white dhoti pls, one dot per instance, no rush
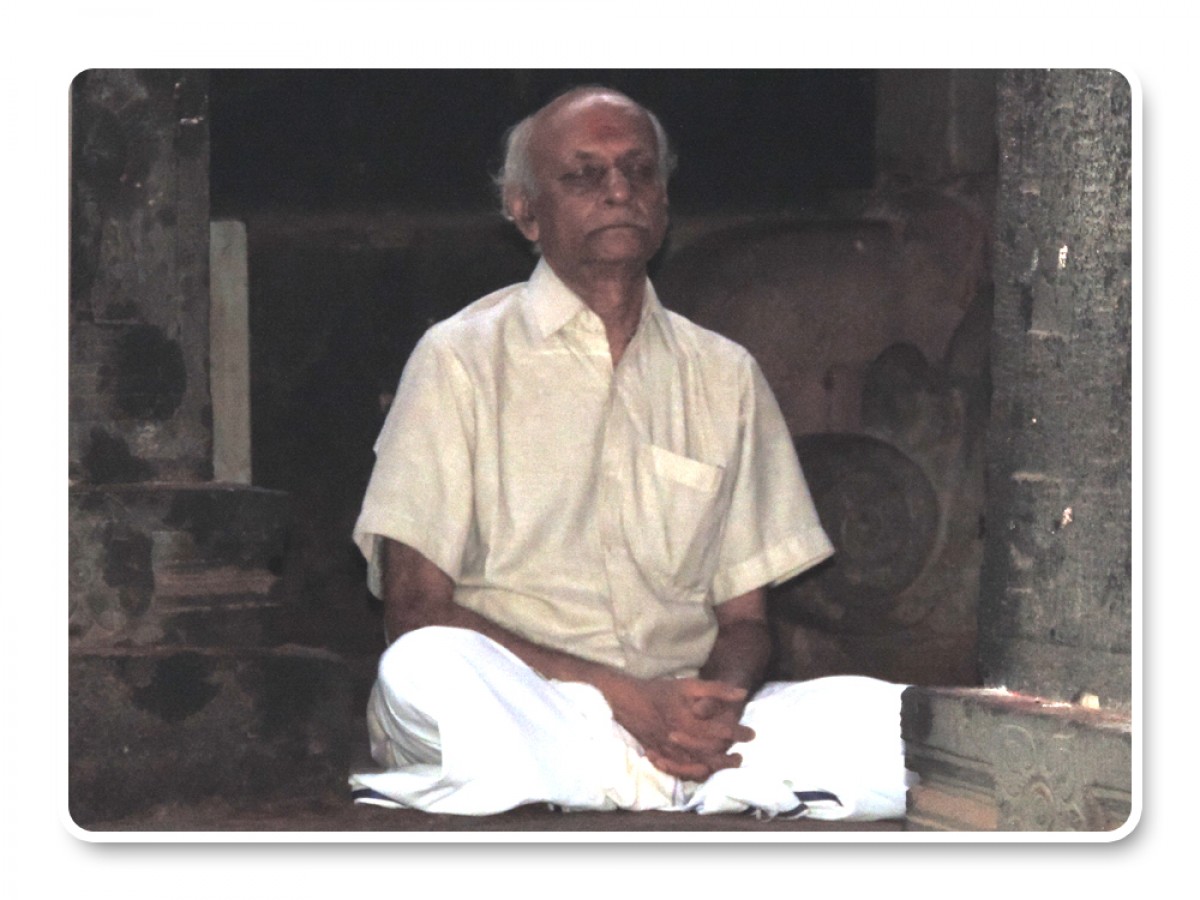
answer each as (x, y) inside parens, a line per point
(461, 725)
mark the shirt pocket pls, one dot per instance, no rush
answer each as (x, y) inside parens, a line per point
(675, 520)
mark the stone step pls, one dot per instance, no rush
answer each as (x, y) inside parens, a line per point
(169, 726)
(993, 760)
(173, 563)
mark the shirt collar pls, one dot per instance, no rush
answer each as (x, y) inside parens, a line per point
(551, 304)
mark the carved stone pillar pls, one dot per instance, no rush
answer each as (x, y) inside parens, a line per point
(1048, 745)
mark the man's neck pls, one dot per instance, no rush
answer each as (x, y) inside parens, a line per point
(616, 295)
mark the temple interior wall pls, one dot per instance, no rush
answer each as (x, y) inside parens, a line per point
(961, 412)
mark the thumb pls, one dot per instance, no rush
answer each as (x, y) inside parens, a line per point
(705, 707)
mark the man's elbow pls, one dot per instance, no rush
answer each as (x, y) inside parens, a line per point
(416, 594)
(402, 618)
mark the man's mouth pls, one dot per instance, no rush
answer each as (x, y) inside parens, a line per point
(621, 225)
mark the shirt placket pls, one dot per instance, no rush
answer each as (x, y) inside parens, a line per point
(618, 455)
(587, 339)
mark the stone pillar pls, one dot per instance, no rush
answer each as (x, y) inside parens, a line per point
(140, 408)
(1047, 744)
(1057, 615)
(178, 690)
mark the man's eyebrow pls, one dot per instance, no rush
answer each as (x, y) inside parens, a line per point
(633, 152)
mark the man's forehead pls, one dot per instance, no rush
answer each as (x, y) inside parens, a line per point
(596, 114)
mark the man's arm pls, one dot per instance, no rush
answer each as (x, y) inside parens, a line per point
(743, 647)
(416, 594)
(664, 714)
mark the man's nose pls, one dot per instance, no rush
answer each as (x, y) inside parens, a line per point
(617, 186)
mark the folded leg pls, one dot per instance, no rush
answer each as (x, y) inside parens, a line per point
(461, 725)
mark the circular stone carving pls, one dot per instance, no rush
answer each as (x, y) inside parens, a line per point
(881, 513)
(1037, 806)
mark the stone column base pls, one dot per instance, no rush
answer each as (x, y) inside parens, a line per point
(990, 760)
(176, 564)
(152, 727)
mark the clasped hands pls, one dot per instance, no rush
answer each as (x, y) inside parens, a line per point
(687, 725)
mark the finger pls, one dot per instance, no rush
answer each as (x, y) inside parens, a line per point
(673, 756)
(713, 740)
(728, 761)
(696, 770)
(689, 771)
(703, 744)
(742, 733)
(713, 733)
(717, 690)
(707, 707)
(712, 708)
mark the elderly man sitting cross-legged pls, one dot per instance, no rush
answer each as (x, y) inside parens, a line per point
(578, 503)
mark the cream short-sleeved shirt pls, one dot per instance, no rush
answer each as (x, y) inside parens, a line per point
(598, 510)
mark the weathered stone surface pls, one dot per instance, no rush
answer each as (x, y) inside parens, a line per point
(817, 302)
(814, 303)
(175, 695)
(993, 761)
(1056, 614)
(153, 726)
(176, 564)
(139, 277)
(935, 124)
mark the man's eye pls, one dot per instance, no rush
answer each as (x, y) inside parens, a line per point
(642, 173)
(586, 176)
(593, 177)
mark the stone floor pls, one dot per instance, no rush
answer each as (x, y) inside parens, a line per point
(338, 814)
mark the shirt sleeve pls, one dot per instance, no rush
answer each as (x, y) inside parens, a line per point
(772, 532)
(420, 491)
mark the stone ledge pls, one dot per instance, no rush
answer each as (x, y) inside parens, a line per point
(176, 563)
(990, 760)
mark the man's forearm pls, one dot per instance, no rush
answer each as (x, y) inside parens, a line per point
(740, 655)
(547, 661)
(418, 595)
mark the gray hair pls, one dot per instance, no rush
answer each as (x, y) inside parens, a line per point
(516, 173)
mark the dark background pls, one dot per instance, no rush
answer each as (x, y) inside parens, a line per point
(430, 139)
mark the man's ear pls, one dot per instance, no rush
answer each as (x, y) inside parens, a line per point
(521, 209)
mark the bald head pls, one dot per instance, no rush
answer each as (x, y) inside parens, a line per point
(518, 174)
(585, 183)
